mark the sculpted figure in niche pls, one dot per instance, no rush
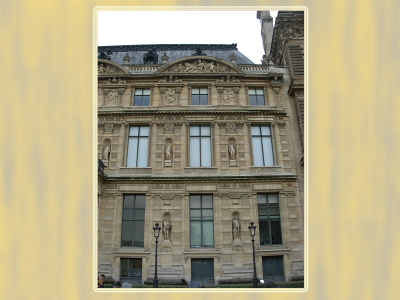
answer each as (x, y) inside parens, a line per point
(235, 227)
(101, 69)
(170, 96)
(166, 228)
(168, 152)
(228, 95)
(106, 152)
(232, 152)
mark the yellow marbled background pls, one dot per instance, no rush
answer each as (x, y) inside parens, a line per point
(47, 137)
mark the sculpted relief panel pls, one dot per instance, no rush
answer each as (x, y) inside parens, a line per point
(199, 66)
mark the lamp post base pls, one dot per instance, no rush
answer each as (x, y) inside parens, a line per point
(255, 282)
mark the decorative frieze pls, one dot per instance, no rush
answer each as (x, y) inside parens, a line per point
(199, 66)
(112, 97)
(167, 186)
(230, 127)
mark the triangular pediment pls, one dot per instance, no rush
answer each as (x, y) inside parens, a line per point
(106, 67)
(200, 65)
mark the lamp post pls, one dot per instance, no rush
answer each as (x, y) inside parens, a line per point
(252, 229)
(156, 235)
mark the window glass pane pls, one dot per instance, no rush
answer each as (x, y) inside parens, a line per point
(274, 211)
(142, 156)
(265, 130)
(207, 201)
(255, 130)
(262, 198)
(273, 198)
(195, 214)
(252, 91)
(138, 92)
(208, 233)
(205, 152)
(204, 91)
(205, 131)
(259, 91)
(262, 211)
(195, 201)
(267, 147)
(253, 100)
(276, 232)
(128, 201)
(139, 214)
(194, 130)
(139, 202)
(195, 91)
(194, 151)
(264, 233)
(195, 100)
(139, 233)
(208, 268)
(127, 214)
(207, 214)
(203, 100)
(146, 101)
(133, 131)
(132, 152)
(195, 233)
(196, 269)
(146, 92)
(137, 101)
(260, 100)
(126, 239)
(257, 152)
(144, 131)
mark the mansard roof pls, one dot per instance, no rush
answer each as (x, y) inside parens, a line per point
(136, 53)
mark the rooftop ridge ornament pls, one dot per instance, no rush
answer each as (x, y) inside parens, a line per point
(165, 57)
(150, 57)
(198, 52)
(127, 58)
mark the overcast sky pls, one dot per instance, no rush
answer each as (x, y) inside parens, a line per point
(183, 27)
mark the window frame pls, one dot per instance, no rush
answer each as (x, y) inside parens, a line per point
(138, 145)
(274, 161)
(134, 219)
(263, 97)
(141, 89)
(201, 139)
(134, 280)
(262, 218)
(199, 87)
(202, 220)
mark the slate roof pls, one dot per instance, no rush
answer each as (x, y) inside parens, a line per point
(173, 51)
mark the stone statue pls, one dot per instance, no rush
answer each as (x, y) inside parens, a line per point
(232, 151)
(235, 227)
(106, 152)
(168, 152)
(113, 97)
(167, 226)
(170, 96)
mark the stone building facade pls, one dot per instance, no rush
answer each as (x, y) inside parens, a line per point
(198, 139)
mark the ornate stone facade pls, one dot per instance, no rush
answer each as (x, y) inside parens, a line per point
(162, 137)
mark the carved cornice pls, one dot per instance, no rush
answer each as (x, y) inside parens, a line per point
(106, 67)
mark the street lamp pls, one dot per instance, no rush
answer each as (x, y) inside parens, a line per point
(252, 229)
(156, 235)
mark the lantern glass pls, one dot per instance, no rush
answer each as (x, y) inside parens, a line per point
(252, 229)
(156, 231)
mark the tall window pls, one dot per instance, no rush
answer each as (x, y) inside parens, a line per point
(269, 219)
(199, 96)
(137, 146)
(256, 96)
(133, 221)
(262, 146)
(131, 270)
(200, 146)
(201, 221)
(142, 97)
(203, 270)
(273, 268)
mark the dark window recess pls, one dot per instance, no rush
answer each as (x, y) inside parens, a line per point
(273, 268)
(131, 270)
(203, 271)
(269, 219)
(133, 221)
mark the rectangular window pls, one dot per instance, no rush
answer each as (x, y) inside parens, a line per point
(273, 268)
(256, 96)
(200, 146)
(137, 146)
(201, 221)
(202, 271)
(199, 96)
(262, 146)
(133, 221)
(269, 219)
(131, 270)
(142, 97)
